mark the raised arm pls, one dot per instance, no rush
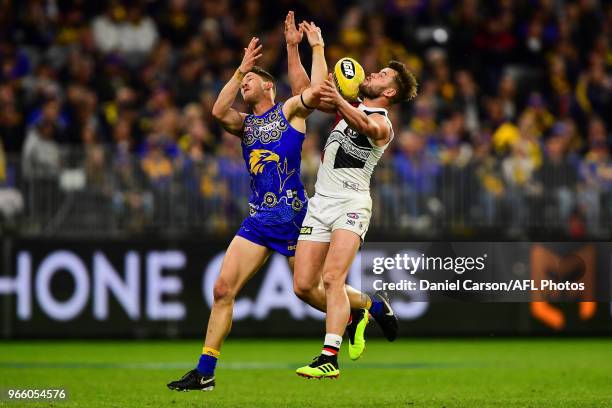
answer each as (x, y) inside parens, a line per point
(373, 126)
(318, 71)
(302, 105)
(229, 118)
(298, 78)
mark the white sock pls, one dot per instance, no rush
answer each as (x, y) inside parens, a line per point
(332, 344)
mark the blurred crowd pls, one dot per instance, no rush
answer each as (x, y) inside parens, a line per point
(512, 125)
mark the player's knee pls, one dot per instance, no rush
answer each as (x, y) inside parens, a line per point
(222, 291)
(303, 288)
(333, 277)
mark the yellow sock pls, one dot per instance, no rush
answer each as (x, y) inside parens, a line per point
(208, 361)
(209, 351)
(368, 304)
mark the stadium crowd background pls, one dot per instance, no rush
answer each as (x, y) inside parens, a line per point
(105, 113)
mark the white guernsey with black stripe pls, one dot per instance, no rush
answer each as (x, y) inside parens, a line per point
(349, 159)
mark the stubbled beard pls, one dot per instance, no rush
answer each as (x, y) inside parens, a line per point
(250, 99)
(369, 92)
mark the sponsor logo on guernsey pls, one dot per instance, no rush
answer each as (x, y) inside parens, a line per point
(270, 127)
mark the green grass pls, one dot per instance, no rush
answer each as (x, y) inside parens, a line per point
(411, 373)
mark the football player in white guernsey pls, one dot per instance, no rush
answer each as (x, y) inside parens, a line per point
(339, 213)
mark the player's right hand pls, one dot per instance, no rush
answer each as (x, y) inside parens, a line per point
(329, 93)
(251, 54)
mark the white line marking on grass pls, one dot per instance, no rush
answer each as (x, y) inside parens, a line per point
(229, 365)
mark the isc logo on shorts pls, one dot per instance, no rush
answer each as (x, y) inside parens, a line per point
(305, 230)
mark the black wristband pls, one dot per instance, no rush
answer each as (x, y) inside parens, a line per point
(304, 103)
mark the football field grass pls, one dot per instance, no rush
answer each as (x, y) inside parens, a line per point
(252, 373)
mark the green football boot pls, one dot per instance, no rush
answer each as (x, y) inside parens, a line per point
(356, 332)
(322, 366)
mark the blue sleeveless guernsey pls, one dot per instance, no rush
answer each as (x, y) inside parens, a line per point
(272, 152)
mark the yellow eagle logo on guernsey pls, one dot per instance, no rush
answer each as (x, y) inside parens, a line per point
(258, 159)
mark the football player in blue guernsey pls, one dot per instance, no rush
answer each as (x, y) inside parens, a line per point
(271, 139)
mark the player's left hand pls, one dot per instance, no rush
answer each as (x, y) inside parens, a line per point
(328, 92)
(293, 35)
(313, 33)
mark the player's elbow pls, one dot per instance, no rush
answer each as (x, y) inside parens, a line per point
(371, 129)
(218, 113)
(299, 89)
(310, 98)
(373, 132)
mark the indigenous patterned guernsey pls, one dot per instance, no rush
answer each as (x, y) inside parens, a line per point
(272, 150)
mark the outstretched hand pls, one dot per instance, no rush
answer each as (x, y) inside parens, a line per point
(251, 54)
(313, 33)
(293, 35)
